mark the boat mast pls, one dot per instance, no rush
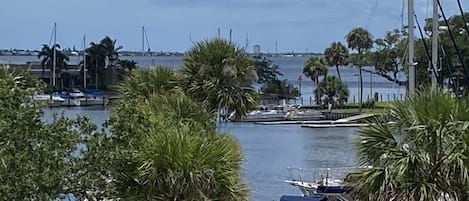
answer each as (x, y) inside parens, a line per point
(54, 61)
(434, 43)
(84, 61)
(411, 47)
(143, 41)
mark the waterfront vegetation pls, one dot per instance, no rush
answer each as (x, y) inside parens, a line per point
(161, 142)
(220, 74)
(417, 151)
(47, 58)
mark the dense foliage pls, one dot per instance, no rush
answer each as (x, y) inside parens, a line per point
(104, 65)
(333, 91)
(38, 160)
(279, 89)
(266, 70)
(220, 74)
(166, 146)
(419, 151)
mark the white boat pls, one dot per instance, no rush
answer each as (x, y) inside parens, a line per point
(269, 115)
(304, 114)
(321, 181)
(42, 97)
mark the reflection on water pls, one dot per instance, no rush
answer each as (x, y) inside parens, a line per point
(269, 150)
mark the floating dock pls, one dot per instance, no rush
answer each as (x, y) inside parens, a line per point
(353, 121)
(333, 125)
(295, 122)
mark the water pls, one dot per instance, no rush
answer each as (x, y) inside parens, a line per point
(291, 67)
(269, 150)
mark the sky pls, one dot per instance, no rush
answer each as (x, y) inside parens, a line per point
(174, 25)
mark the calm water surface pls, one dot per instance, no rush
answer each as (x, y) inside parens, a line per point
(268, 150)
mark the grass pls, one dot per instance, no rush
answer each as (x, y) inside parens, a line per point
(380, 108)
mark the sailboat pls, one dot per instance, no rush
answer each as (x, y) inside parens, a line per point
(145, 39)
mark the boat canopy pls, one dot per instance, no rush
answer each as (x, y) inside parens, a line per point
(302, 198)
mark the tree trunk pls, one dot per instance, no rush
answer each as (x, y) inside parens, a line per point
(338, 72)
(318, 94)
(360, 96)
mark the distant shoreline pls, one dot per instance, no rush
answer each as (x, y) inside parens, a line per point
(16, 52)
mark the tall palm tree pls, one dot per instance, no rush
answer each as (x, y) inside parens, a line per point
(221, 74)
(335, 55)
(110, 51)
(361, 40)
(47, 55)
(103, 57)
(419, 151)
(313, 68)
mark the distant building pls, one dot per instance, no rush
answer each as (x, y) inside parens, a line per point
(257, 50)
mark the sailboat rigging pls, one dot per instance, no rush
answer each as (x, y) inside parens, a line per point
(84, 61)
(145, 39)
(54, 57)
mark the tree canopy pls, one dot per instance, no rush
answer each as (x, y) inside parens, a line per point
(220, 74)
(39, 160)
(418, 151)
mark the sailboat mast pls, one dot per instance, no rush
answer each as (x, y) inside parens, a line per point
(411, 47)
(434, 42)
(54, 62)
(143, 41)
(84, 61)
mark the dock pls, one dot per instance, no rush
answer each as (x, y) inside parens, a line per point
(353, 121)
(296, 122)
(333, 125)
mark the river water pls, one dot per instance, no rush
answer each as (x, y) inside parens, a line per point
(268, 150)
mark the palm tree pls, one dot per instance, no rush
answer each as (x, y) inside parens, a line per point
(313, 68)
(144, 82)
(47, 55)
(95, 59)
(336, 54)
(221, 74)
(334, 90)
(419, 151)
(361, 40)
(110, 51)
(167, 146)
(103, 58)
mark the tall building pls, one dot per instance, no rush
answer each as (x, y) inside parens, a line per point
(257, 50)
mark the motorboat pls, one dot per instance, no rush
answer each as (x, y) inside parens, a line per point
(264, 116)
(94, 97)
(76, 97)
(322, 182)
(304, 115)
(302, 198)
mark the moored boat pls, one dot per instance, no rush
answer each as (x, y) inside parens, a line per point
(322, 182)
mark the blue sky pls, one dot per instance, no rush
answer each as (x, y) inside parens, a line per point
(296, 25)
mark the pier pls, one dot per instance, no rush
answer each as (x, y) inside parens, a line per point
(352, 121)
